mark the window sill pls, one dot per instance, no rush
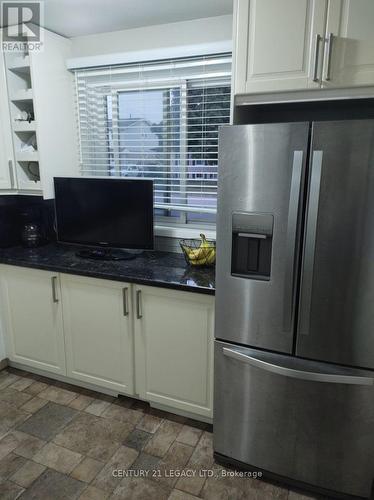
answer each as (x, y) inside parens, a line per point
(184, 232)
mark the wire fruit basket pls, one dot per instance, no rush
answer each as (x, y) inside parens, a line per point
(199, 252)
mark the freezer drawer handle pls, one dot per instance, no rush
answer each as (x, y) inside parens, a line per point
(298, 374)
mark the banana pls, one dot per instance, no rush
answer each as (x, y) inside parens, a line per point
(203, 255)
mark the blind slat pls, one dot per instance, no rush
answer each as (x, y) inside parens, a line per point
(162, 124)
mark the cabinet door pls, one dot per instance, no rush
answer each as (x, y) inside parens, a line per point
(6, 147)
(32, 316)
(98, 332)
(349, 58)
(174, 349)
(276, 46)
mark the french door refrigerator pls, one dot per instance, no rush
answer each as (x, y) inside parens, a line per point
(294, 349)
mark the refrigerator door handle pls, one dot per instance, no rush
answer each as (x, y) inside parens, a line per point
(310, 242)
(290, 268)
(314, 376)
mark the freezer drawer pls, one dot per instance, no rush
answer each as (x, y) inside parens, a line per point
(307, 421)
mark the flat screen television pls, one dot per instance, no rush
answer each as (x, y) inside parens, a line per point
(105, 214)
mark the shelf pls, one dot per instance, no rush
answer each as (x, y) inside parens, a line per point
(20, 64)
(22, 96)
(21, 126)
(27, 156)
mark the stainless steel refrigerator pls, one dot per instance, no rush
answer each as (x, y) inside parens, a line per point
(294, 349)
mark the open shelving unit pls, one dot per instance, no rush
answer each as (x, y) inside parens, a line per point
(24, 126)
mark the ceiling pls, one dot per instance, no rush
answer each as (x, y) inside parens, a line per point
(72, 18)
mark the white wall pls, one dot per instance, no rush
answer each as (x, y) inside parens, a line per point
(198, 32)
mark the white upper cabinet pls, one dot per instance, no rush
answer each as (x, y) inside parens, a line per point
(349, 55)
(6, 146)
(285, 45)
(279, 44)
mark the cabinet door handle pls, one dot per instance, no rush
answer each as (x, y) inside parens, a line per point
(139, 312)
(316, 57)
(329, 41)
(54, 289)
(125, 297)
(11, 174)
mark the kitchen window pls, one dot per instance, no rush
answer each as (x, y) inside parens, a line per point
(158, 121)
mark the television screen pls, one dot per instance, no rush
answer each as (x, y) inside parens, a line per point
(113, 213)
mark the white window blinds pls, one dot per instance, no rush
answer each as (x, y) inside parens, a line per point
(158, 121)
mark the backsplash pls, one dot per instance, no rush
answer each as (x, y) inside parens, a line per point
(14, 209)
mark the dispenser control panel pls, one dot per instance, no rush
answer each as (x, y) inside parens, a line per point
(252, 237)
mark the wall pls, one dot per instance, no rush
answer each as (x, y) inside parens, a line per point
(212, 30)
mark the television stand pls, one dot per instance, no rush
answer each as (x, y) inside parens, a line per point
(105, 254)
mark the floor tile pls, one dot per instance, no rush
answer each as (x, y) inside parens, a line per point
(9, 465)
(57, 395)
(145, 462)
(122, 414)
(176, 458)
(81, 402)
(181, 495)
(178, 454)
(48, 421)
(35, 388)
(13, 397)
(137, 439)
(34, 404)
(149, 423)
(235, 488)
(27, 445)
(122, 459)
(10, 416)
(6, 379)
(21, 384)
(189, 435)
(93, 493)
(10, 491)
(87, 470)
(163, 438)
(295, 495)
(58, 458)
(27, 474)
(7, 444)
(191, 484)
(132, 488)
(53, 485)
(97, 407)
(96, 437)
(203, 454)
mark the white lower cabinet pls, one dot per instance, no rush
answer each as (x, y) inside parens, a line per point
(31, 314)
(174, 349)
(150, 342)
(98, 332)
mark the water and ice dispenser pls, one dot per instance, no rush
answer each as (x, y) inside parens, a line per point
(252, 237)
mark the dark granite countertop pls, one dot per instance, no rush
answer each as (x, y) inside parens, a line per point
(161, 269)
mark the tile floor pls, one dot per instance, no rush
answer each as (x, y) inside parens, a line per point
(62, 442)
